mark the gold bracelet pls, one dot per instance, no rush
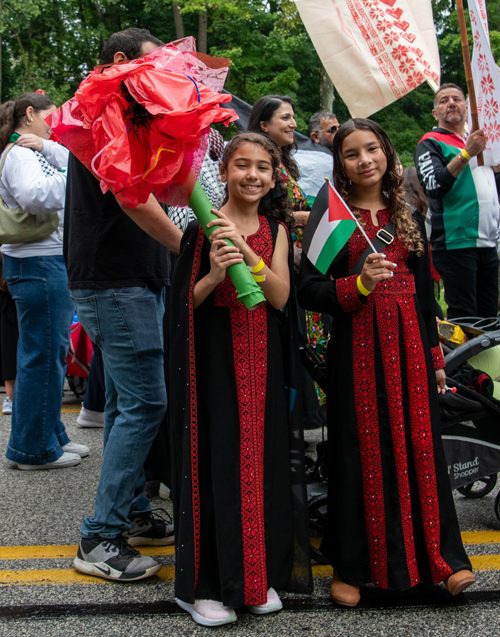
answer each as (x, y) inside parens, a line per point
(259, 277)
(258, 267)
(361, 288)
(464, 154)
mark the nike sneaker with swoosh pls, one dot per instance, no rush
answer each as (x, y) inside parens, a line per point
(114, 559)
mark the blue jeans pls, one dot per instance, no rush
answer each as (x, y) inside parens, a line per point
(127, 325)
(39, 286)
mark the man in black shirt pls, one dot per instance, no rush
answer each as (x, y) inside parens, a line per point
(118, 267)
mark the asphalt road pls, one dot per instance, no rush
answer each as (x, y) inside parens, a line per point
(41, 595)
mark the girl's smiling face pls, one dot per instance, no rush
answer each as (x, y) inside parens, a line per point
(365, 162)
(249, 173)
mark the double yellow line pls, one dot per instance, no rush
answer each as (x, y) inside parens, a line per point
(61, 576)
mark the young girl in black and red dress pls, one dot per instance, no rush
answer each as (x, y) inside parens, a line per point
(233, 436)
(391, 517)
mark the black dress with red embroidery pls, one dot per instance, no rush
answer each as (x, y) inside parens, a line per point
(239, 500)
(391, 516)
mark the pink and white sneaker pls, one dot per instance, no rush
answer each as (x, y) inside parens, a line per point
(272, 605)
(208, 612)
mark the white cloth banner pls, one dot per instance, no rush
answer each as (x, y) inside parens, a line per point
(375, 51)
(486, 81)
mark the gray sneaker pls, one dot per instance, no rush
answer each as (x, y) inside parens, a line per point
(113, 558)
(152, 528)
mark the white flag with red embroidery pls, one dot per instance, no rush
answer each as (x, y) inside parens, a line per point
(375, 51)
(486, 81)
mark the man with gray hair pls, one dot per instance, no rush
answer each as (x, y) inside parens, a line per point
(322, 128)
(316, 160)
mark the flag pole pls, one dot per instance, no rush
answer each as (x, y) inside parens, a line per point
(468, 72)
(361, 229)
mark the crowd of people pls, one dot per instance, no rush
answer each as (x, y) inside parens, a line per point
(238, 396)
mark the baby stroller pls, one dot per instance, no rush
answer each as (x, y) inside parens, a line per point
(470, 412)
(470, 415)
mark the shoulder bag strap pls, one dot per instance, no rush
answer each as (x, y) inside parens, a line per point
(385, 236)
(6, 152)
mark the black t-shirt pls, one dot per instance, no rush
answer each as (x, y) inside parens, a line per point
(103, 247)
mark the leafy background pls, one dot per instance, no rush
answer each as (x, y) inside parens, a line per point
(52, 44)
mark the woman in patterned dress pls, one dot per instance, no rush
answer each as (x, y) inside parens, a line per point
(391, 517)
(238, 489)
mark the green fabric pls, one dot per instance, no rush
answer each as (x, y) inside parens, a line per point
(13, 138)
(459, 211)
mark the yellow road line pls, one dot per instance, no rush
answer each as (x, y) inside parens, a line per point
(71, 411)
(68, 551)
(63, 576)
(481, 537)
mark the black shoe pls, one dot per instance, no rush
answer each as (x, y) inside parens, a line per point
(113, 558)
(152, 528)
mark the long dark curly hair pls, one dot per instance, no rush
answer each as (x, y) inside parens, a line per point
(262, 111)
(392, 182)
(276, 203)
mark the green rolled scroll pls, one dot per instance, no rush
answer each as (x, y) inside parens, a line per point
(249, 292)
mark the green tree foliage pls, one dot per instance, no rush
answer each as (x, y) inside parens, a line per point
(52, 44)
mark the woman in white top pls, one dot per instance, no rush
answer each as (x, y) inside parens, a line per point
(33, 177)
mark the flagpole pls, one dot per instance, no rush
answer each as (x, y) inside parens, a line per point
(468, 72)
(361, 229)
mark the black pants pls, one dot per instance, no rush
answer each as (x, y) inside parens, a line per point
(470, 278)
(95, 394)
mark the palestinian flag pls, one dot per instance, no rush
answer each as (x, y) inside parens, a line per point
(328, 229)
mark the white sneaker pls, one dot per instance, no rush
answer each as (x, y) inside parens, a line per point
(208, 612)
(272, 605)
(7, 406)
(66, 460)
(89, 418)
(72, 447)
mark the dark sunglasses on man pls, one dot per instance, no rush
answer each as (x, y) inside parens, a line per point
(333, 129)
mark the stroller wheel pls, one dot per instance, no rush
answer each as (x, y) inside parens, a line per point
(497, 506)
(479, 488)
(317, 525)
(78, 385)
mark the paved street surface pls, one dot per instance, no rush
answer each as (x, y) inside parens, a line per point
(40, 593)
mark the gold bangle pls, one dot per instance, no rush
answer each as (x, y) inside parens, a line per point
(465, 154)
(258, 267)
(259, 277)
(361, 288)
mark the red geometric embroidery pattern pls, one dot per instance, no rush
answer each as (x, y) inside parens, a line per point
(193, 407)
(437, 358)
(369, 441)
(421, 435)
(249, 331)
(347, 294)
(387, 302)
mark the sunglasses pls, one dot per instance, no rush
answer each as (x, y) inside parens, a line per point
(332, 129)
